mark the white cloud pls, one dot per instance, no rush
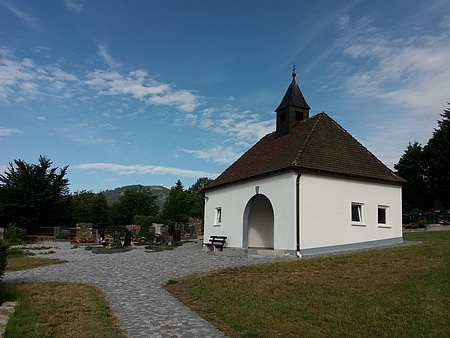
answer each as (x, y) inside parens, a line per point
(243, 128)
(9, 131)
(139, 169)
(139, 85)
(23, 80)
(41, 118)
(73, 6)
(3, 169)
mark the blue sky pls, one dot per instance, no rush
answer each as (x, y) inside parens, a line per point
(149, 92)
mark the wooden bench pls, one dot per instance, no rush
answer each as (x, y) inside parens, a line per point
(216, 243)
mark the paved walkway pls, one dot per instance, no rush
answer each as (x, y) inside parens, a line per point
(132, 282)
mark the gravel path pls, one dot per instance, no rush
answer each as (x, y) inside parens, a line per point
(132, 283)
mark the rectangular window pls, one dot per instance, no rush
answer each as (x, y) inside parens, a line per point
(383, 215)
(357, 213)
(282, 117)
(218, 216)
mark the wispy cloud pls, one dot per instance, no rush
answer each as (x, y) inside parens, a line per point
(110, 61)
(240, 127)
(23, 80)
(218, 154)
(233, 130)
(405, 73)
(24, 17)
(89, 139)
(8, 131)
(73, 6)
(445, 22)
(139, 85)
(139, 169)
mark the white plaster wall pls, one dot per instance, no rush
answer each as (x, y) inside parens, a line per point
(325, 211)
(279, 189)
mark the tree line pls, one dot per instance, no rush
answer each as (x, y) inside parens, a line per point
(33, 196)
(427, 171)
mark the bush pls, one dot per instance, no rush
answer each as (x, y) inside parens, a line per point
(119, 244)
(3, 256)
(15, 235)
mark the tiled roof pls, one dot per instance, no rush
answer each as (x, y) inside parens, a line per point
(317, 144)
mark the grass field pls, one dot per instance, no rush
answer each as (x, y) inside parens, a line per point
(396, 292)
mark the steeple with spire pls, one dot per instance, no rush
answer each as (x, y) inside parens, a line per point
(292, 109)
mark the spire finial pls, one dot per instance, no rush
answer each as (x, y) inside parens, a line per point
(293, 72)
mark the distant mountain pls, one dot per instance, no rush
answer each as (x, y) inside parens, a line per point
(160, 192)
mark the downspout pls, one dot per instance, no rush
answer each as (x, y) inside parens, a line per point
(297, 215)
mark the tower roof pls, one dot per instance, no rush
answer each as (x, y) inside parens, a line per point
(293, 96)
(318, 145)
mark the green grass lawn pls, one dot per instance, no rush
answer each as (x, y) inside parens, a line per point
(396, 292)
(60, 310)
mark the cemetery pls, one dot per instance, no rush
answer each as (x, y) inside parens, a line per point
(122, 239)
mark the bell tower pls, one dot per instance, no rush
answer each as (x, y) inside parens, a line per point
(292, 109)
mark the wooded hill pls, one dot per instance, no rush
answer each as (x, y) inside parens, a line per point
(159, 191)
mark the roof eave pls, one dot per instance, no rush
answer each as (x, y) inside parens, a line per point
(399, 181)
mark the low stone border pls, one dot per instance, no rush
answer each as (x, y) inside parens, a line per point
(6, 309)
(102, 250)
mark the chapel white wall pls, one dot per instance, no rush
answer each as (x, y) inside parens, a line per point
(325, 211)
(279, 189)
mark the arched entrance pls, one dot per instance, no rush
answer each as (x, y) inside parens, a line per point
(258, 223)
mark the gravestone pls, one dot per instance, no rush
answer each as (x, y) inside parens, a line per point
(164, 234)
(192, 231)
(177, 237)
(116, 236)
(60, 234)
(127, 238)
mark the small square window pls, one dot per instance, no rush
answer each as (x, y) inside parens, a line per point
(218, 216)
(357, 213)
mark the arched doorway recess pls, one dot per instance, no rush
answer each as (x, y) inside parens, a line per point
(258, 223)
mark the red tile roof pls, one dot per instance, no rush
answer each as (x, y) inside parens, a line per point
(317, 144)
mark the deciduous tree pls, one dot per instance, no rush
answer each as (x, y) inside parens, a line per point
(132, 203)
(88, 207)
